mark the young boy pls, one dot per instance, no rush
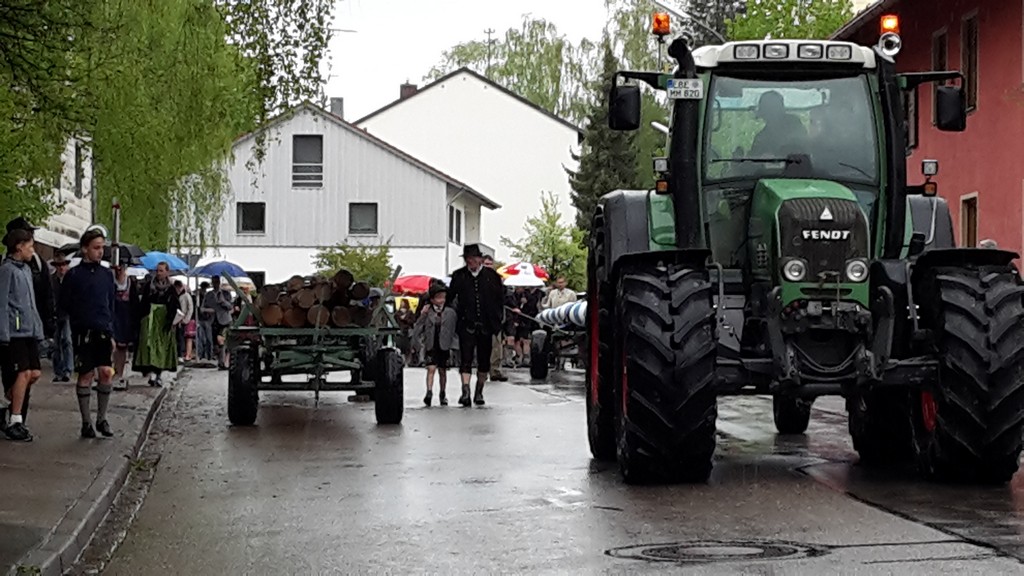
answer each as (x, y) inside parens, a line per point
(437, 323)
(21, 328)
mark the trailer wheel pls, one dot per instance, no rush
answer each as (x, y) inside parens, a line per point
(879, 424)
(970, 425)
(791, 414)
(389, 396)
(243, 386)
(539, 355)
(666, 354)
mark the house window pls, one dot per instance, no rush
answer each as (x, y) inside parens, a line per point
(79, 171)
(969, 222)
(910, 111)
(362, 218)
(252, 217)
(258, 278)
(307, 161)
(940, 61)
(969, 59)
(455, 225)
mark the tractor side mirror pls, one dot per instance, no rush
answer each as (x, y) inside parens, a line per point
(624, 108)
(950, 109)
(917, 244)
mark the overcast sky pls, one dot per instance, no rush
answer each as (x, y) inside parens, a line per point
(399, 40)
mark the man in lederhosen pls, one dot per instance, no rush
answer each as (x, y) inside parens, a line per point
(477, 297)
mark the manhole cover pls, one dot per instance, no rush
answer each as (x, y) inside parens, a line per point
(703, 551)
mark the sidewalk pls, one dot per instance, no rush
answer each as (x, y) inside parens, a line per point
(56, 489)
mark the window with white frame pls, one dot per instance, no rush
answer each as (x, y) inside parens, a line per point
(362, 218)
(455, 225)
(307, 161)
(252, 217)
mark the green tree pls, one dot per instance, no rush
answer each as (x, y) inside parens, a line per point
(789, 19)
(607, 160)
(549, 242)
(367, 262)
(535, 61)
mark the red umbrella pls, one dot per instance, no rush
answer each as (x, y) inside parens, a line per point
(517, 268)
(414, 285)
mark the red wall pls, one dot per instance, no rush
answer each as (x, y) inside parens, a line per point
(987, 159)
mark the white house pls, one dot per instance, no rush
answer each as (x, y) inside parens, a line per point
(75, 191)
(325, 182)
(488, 137)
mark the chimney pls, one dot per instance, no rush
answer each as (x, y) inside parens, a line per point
(338, 107)
(407, 90)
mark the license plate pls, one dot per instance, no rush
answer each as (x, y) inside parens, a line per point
(686, 89)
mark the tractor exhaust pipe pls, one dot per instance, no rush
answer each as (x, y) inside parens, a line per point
(683, 182)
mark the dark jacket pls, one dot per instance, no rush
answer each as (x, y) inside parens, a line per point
(46, 304)
(18, 316)
(87, 297)
(478, 300)
(56, 283)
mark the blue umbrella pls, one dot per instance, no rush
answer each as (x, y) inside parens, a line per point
(219, 268)
(152, 259)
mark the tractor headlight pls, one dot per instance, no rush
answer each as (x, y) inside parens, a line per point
(794, 270)
(856, 270)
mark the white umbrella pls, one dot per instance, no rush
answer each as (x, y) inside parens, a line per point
(524, 278)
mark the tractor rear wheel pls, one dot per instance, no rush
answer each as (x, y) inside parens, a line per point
(600, 370)
(879, 424)
(792, 415)
(970, 425)
(389, 392)
(666, 358)
(243, 386)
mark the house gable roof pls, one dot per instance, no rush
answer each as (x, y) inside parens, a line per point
(481, 78)
(870, 14)
(361, 133)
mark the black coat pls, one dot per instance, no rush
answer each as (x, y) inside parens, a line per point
(491, 298)
(46, 304)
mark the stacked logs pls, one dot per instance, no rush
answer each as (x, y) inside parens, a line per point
(306, 302)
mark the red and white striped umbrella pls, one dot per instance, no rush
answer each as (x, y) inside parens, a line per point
(517, 268)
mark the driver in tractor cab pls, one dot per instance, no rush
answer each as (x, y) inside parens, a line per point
(783, 133)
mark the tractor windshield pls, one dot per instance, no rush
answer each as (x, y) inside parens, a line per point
(822, 128)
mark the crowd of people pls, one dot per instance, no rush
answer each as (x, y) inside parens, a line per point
(90, 318)
(475, 320)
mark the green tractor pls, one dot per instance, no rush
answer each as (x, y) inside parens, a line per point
(783, 252)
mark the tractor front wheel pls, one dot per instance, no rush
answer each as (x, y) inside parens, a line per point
(970, 425)
(666, 357)
(792, 415)
(243, 386)
(879, 424)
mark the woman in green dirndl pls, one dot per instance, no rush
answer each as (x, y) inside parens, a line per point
(158, 348)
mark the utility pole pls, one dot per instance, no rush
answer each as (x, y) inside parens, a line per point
(489, 32)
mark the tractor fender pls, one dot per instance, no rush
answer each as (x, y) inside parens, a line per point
(960, 258)
(621, 232)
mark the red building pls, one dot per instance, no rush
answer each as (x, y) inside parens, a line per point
(981, 170)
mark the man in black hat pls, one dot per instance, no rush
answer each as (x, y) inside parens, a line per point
(477, 297)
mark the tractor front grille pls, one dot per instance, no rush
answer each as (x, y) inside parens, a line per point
(807, 232)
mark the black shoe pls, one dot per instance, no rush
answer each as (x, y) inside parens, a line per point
(156, 383)
(443, 400)
(88, 431)
(478, 398)
(464, 399)
(104, 428)
(428, 397)
(18, 433)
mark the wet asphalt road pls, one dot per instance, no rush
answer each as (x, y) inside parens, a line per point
(510, 488)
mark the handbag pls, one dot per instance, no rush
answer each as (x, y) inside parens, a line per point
(190, 329)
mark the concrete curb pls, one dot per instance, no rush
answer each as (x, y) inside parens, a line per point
(68, 539)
